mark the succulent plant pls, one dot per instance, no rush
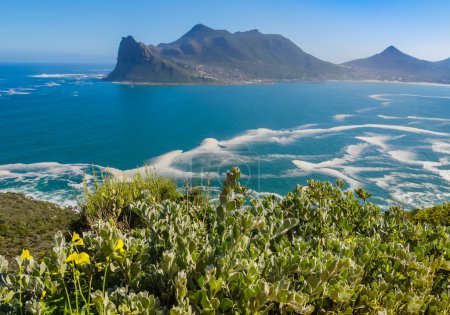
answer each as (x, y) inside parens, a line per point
(317, 250)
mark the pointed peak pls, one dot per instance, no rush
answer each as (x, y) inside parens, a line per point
(200, 30)
(200, 27)
(391, 50)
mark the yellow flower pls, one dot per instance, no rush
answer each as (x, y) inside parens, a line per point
(43, 295)
(119, 247)
(26, 255)
(79, 259)
(77, 240)
(100, 266)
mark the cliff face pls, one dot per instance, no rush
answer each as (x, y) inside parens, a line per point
(136, 62)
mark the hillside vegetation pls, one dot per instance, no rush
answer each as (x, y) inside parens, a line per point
(27, 223)
(318, 250)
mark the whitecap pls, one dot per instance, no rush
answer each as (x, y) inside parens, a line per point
(75, 76)
(30, 179)
(389, 117)
(52, 84)
(377, 140)
(17, 91)
(415, 118)
(441, 147)
(308, 168)
(342, 117)
(264, 135)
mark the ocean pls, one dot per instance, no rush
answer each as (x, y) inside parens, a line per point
(59, 122)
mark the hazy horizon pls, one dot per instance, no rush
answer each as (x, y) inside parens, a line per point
(90, 32)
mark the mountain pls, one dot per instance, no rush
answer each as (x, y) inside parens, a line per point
(392, 64)
(137, 62)
(218, 56)
(206, 55)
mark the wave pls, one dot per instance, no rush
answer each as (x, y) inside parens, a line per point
(75, 76)
(388, 97)
(17, 91)
(408, 157)
(264, 135)
(213, 157)
(440, 147)
(415, 118)
(382, 97)
(212, 153)
(352, 152)
(48, 181)
(377, 140)
(405, 192)
(342, 117)
(309, 168)
(52, 84)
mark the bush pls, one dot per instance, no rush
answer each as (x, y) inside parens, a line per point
(318, 250)
(111, 197)
(437, 215)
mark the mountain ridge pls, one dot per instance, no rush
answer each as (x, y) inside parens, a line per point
(206, 55)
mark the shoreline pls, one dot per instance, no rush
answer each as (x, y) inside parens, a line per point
(394, 82)
(271, 82)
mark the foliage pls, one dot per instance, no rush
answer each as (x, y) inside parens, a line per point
(318, 250)
(437, 215)
(28, 223)
(112, 196)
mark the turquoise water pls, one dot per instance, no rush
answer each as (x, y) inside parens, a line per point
(57, 121)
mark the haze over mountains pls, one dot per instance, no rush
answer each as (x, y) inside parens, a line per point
(205, 55)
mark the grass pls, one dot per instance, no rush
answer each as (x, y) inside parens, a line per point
(28, 223)
(111, 196)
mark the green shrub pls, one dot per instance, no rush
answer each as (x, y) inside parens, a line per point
(437, 215)
(111, 197)
(318, 250)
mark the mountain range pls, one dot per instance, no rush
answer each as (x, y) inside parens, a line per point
(209, 56)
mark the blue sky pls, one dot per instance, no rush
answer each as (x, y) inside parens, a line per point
(337, 31)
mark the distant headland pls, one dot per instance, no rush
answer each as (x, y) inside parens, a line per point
(208, 56)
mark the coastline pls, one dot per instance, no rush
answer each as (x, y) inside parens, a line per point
(394, 82)
(270, 82)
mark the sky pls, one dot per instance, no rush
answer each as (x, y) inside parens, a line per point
(333, 30)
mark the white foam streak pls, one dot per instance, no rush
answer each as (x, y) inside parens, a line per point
(309, 168)
(17, 91)
(377, 140)
(389, 117)
(330, 168)
(264, 135)
(407, 193)
(429, 118)
(30, 179)
(76, 76)
(410, 158)
(414, 118)
(342, 117)
(441, 147)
